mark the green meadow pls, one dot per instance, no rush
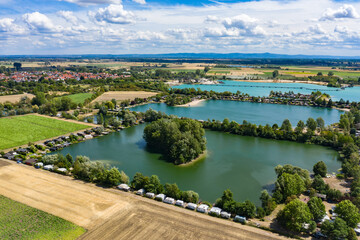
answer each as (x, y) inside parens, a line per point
(79, 97)
(20, 130)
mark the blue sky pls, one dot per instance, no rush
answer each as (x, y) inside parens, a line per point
(163, 26)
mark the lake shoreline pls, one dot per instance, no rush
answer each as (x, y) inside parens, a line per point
(192, 103)
(284, 81)
(202, 156)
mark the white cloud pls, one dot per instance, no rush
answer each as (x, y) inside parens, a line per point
(68, 16)
(92, 2)
(242, 21)
(212, 19)
(245, 23)
(8, 25)
(346, 11)
(113, 14)
(250, 26)
(40, 22)
(140, 1)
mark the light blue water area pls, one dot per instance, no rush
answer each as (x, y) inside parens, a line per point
(258, 113)
(263, 89)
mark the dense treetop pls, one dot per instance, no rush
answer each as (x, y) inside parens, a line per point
(179, 140)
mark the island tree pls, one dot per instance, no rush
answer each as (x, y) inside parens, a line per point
(179, 140)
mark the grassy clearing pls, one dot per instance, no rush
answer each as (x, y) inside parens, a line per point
(79, 97)
(19, 221)
(20, 130)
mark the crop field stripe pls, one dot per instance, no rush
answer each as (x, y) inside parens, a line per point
(19, 221)
(42, 125)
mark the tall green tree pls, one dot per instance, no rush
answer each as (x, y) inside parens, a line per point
(154, 185)
(311, 124)
(320, 169)
(317, 208)
(348, 212)
(286, 126)
(335, 230)
(294, 215)
(287, 185)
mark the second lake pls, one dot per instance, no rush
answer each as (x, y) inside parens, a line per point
(257, 113)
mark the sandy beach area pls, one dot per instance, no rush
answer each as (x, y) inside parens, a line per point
(192, 103)
(284, 81)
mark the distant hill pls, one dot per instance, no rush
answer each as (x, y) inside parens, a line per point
(189, 56)
(235, 56)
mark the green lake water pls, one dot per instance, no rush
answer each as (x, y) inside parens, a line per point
(243, 164)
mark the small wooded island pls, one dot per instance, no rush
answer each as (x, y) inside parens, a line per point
(179, 140)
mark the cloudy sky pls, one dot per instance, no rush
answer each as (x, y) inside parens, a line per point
(313, 27)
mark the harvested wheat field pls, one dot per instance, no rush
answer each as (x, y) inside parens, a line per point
(15, 98)
(111, 214)
(123, 95)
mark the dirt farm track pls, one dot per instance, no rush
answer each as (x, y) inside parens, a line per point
(111, 214)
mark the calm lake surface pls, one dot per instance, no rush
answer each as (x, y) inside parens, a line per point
(264, 89)
(243, 164)
(258, 113)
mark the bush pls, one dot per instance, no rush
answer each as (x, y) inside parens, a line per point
(320, 169)
(340, 176)
(190, 197)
